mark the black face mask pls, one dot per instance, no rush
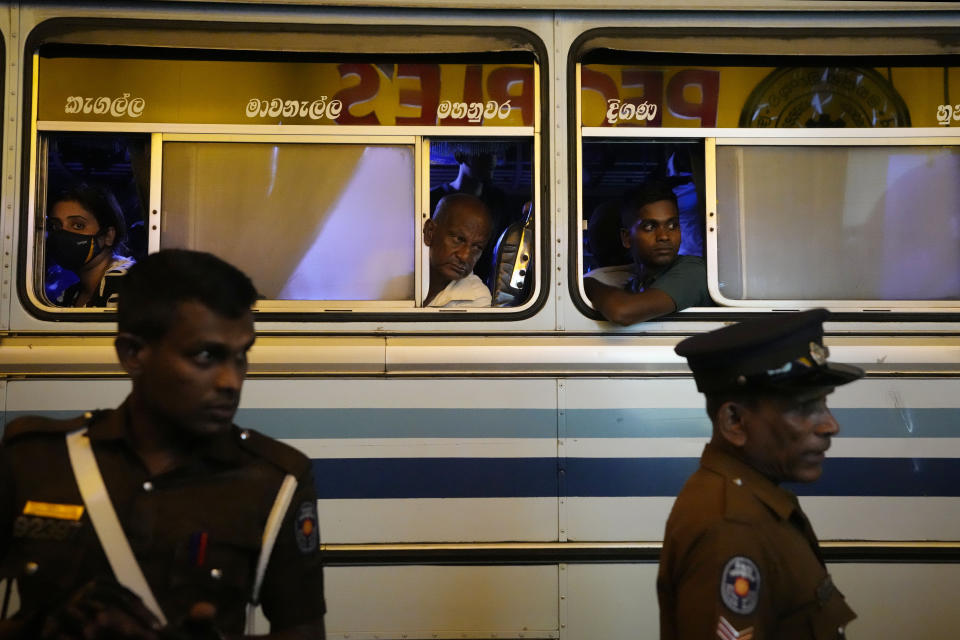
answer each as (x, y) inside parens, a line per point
(71, 250)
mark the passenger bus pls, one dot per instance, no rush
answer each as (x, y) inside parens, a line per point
(506, 472)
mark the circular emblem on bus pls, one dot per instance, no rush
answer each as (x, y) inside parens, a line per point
(824, 97)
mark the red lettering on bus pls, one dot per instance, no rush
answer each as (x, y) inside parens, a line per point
(427, 97)
(363, 91)
(472, 93)
(706, 109)
(501, 80)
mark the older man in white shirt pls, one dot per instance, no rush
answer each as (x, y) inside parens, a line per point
(457, 235)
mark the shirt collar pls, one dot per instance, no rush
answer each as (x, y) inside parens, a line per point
(778, 499)
(644, 276)
(111, 425)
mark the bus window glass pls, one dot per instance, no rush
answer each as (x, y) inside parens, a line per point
(499, 172)
(306, 221)
(858, 222)
(92, 183)
(613, 168)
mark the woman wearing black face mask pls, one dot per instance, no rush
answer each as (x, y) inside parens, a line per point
(85, 233)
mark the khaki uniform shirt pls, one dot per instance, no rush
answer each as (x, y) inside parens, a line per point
(195, 530)
(740, 560)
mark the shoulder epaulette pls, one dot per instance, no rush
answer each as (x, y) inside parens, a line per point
(741, 505)
(26, 425)
(277, 453)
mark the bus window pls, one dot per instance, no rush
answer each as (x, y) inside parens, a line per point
(499, 172)
(820, 180)
(858, 222)
(92, 182)
(314, 174)
(326, 222)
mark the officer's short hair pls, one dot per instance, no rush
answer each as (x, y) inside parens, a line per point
(152, 288)
(648, 193)
(717, 400)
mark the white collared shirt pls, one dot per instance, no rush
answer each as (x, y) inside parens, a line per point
(465, 292)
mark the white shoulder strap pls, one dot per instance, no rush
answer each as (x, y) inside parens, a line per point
(105, 522)
(270, 531)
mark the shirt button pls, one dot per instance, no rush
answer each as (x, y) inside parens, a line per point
(148, 486)
(87, 415)
(244, 434)
(31, 568)
(216, 574)
(738, 482)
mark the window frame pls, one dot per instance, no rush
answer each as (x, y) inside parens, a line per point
(711, 137)
(300, 310)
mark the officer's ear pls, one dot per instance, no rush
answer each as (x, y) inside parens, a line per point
(729, 422)
(131, 350)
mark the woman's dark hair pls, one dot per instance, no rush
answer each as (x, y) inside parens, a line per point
(98, 201)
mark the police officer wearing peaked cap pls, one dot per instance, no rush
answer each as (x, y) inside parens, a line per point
(740, 559)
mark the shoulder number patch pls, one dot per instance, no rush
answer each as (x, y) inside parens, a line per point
(305, 528)
(740, 585)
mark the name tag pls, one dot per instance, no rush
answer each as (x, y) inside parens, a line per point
(52, 510)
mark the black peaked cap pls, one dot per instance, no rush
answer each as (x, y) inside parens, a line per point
(774, 352)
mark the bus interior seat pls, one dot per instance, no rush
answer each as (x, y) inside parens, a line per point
(513, 260)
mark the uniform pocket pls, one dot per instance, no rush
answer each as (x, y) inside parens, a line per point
(215, 568)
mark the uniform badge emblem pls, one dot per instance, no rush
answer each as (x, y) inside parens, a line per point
(740, 585)
(819, 353)
(727, 631)
(305, 527)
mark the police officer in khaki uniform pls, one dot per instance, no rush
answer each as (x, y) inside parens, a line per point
(193, 494)
(740, 559)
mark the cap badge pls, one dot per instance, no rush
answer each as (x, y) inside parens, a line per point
(819, 353)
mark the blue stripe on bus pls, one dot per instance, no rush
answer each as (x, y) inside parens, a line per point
(542, 423)
(691, 423)
(359, 478)
(435, 478)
